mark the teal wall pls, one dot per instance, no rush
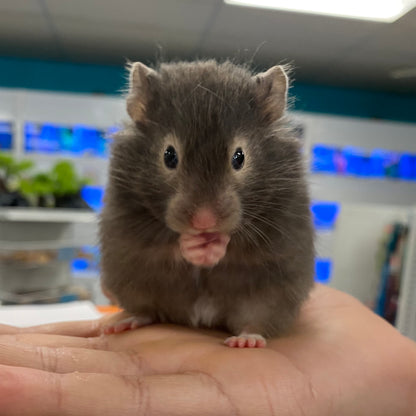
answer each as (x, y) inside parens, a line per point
(107, 79)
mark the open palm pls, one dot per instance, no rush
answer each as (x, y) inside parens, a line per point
(340, 359)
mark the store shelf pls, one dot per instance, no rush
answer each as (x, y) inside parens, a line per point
(35, 245)
(48, 215)
(349, 189)
(45, 229)
(406, 313)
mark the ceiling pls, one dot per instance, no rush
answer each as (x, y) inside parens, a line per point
(323, 50)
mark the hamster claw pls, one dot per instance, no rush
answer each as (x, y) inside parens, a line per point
(246, 341)
(127, 324)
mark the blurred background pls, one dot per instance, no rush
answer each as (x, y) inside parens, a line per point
(354, 106)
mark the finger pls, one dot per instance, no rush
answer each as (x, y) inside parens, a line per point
(48, 340)
(67, 360)
(163, 335)
(113, 354)
(76, 328)
(91, 328)
(7, 329)
(33, 392)
(152, 359)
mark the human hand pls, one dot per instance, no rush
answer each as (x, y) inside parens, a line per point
(340, 359)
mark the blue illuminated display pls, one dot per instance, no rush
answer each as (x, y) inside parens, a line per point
(85, 260)
(353, 161)
(93, 196)
(325, 214)
(80, 264)
(6, 135)
(323, 159)
(77, 140)
(407, 167)
(323, 270)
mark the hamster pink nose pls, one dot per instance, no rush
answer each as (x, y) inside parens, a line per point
(204, 219)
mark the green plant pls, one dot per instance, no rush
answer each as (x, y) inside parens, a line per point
(11, 169)
(46, 187)
(65, 179)
(40, 184)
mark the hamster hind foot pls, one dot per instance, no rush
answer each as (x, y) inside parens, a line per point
(245, 340)
(127, 324)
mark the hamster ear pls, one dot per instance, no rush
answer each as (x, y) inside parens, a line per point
(139, 90)
(271, 93)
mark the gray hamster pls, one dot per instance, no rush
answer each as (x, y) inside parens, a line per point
(206, 220)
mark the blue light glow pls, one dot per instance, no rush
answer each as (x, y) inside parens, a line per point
(79, 265)
(325, 214)
(353, 161)
(93, 196)
(6, 135)
(323, 159)
(76, 140)
(323, 270)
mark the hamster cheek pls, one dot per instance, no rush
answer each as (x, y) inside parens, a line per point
(205, 249)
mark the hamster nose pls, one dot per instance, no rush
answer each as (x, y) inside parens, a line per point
(204, 219)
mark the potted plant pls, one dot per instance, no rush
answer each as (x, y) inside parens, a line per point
(59, 188)
(67, 186)
(10, 176)
(38, 189)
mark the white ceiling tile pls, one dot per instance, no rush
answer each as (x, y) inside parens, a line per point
(23, 27)
(323, 50)
(387, 47)
(408, 20)
(264, 49)
(27, 34)
(348, 74)
(118, 54)
(119, 39)
(390, 43)
(172, 14)
(26, 6)
(302, 33)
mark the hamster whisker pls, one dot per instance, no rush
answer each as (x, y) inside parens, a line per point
(270, 224)
(288, 180)
(251, 236)
(277, 207)
(286, 215)
(260, 233)
(248, 233)
(244, 235)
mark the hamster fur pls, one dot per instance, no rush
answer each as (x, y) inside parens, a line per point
(206, 220)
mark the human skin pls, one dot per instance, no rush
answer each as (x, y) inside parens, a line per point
(340, 359)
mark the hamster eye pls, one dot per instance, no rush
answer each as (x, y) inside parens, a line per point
(170, 157)
(237, 161)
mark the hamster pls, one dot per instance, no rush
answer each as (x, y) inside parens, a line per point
(206, 220)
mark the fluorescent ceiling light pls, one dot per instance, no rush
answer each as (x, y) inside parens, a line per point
(377, 10)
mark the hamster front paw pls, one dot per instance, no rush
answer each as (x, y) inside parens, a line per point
(204, 249)
(127, 324)
(245, 340)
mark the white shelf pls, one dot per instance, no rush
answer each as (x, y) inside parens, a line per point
(48, 215)
(349, 189)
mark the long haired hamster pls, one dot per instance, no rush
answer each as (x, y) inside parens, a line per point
(206, 220)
